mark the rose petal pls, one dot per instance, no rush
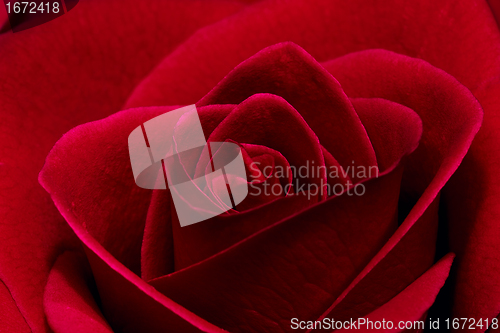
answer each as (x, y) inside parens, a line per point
(129, 303)
(473, 209)
(260, 120)
(212, 115)
(416, 84)
(263, 166)
(74, 69)
(447, 135)
(334, 178)
(157, 251)
(80, 193)
(455, 36)
(104, 198)
(495, 8)
(4, 21)
(393, 128)
(12, 320)
(412, 303)
(195, 243)
(68, 301)
(410, 257)
(262, 157)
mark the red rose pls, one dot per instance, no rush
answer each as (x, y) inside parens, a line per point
(399, 86)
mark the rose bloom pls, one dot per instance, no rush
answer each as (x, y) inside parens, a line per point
(411, 87)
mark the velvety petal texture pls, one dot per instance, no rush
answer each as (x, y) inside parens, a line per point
(393, 128)
(81, 207)
(455, 34)
(10, 317)
(461, 38)
(69, 304)
(291, 269)
(400, 86)
(288, 71)
(314, 263)
(129, 303)
(412, 303)
(495, 7)
(76, 68)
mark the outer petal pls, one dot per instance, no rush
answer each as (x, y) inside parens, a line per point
(446, 137)
(413, 302)
(74, 69)
(409, 258)
(473, 209)
(69, 304)
(448, 34)
(423, 88)
(495, 8)
(10, 317)
(108, 216)
(4, 20)
(103, 196)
